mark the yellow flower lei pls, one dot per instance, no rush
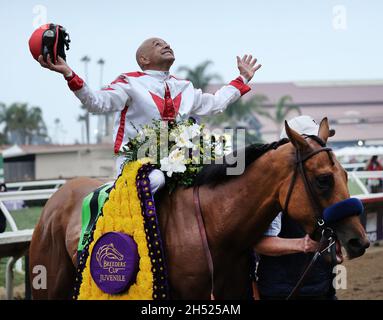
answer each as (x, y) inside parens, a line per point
(122, 213)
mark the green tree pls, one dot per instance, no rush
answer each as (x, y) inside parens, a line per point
(199, 75)
(3, 138)
(242, 114)
(283, 108)
(23, 125)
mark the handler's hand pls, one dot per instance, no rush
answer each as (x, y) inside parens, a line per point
(247, 66)
(60, 66)
(309, 245)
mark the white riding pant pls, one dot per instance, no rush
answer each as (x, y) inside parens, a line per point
(156, 177)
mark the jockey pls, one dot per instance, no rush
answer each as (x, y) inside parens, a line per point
(136, 98)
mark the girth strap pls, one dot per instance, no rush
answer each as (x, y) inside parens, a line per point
(202, 231)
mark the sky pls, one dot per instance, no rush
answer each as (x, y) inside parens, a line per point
(296, 40)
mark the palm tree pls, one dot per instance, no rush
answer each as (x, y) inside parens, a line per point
(35, 125)
(84, 119)
(239, 111)
(283, 108)
(240, 114)
(198, 75)
(23, 125)
(3, 137)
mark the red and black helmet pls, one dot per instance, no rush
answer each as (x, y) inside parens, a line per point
(49, 39)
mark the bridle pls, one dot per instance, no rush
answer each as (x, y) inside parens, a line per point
(327, 235)
(300, 169)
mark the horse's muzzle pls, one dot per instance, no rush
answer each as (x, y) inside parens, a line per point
(343, 209)
(356, 247)
(344, 217)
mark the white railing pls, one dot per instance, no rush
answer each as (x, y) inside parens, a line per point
(20, 186)
(41, 194)
(8, 240)
(370, 196)
(356, 176)
(353, 166)
(18, 192)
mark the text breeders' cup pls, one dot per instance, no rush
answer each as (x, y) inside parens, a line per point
(114, 262)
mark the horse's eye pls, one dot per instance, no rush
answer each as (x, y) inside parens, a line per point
(324, 182)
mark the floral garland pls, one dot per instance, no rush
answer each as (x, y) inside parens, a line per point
(153, 234)
(122, 212)
(178, 148)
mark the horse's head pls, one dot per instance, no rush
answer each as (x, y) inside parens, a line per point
(113, 253)
(320, 182)
(108, 251)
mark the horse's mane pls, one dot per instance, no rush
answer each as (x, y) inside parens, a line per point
(214, 174)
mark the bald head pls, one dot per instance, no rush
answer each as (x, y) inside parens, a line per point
(142, 50)
(155, 54)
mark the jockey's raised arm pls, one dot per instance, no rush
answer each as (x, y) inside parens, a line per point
(112, 98)
(206, 103)
(138, 98)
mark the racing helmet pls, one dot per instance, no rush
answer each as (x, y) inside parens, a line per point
(49, 39)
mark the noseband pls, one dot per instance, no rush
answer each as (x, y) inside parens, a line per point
(327, 235)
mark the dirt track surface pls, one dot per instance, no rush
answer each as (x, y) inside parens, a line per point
(364, 276)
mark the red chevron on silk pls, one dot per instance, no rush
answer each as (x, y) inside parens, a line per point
(168, 107)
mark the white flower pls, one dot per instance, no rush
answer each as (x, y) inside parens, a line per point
(174, 163)
(228, 148)
(141, 136)
(183, 140)
(183, 135)
(195, 130)
(223, 145)
(218, 150)
(148, 131)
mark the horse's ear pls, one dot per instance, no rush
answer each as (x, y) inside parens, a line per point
(296, 139)
(324, 130)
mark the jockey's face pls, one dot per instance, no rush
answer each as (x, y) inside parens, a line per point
(155, 54)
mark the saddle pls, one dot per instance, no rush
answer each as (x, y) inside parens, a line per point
(91, 209)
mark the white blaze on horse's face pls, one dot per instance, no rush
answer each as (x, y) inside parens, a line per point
(328, 183)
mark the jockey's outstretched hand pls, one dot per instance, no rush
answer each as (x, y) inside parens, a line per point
(247, 66)
(60, 66)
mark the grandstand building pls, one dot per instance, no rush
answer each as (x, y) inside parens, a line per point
(354, 108)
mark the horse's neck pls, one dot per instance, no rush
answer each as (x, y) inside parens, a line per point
(244, 207)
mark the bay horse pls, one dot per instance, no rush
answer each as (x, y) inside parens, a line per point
(236, 211)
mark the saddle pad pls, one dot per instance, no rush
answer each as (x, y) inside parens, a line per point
(91, 209)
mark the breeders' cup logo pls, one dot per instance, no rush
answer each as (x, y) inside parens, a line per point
(114, 262)
(109, 258)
